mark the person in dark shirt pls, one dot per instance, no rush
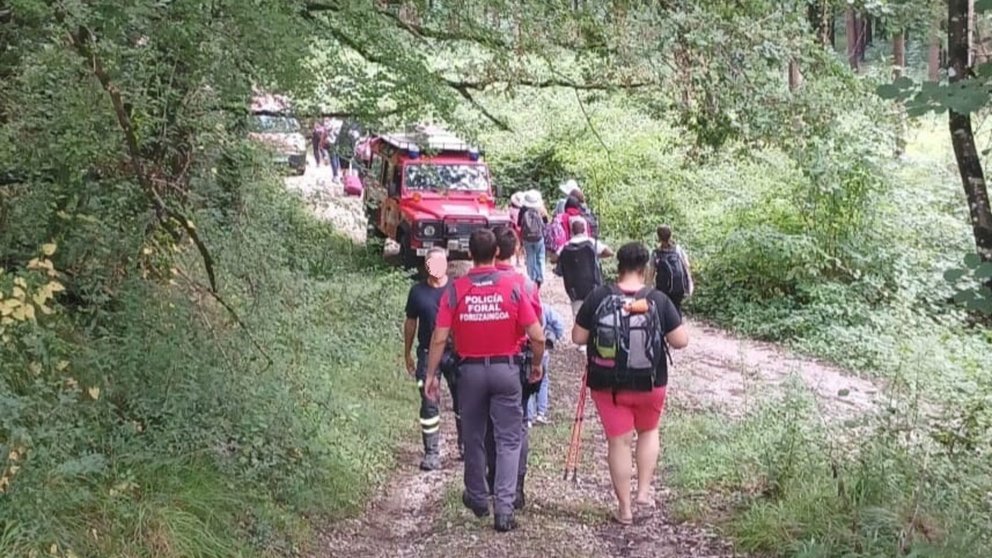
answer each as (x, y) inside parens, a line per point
(636, 404)
(421, 312)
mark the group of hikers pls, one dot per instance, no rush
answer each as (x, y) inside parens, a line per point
(488, 334)
(333, 143)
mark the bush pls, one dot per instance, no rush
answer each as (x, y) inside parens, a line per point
(799, 488)
(155, 425)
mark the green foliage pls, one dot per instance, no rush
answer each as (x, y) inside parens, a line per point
(796, 491)
(159, 428)
(976, 276)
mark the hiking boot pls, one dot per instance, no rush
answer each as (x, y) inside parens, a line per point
(479, 511)
(504, 522)
(432, 457)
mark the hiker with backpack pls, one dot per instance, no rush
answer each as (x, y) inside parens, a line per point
(628, 328)
(422, 304)
(577, 262)
(485, 314)
(318, 140)
(669, 269)
(515, 203)
(531, 221)
(538, 403)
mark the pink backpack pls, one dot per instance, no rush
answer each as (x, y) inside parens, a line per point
(352, 185)
(554, 235)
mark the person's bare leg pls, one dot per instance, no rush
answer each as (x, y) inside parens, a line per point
(621, 463)
(647, 460)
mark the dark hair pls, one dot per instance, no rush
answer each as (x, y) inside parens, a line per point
(573, 202)
(577, 194)
(578, 225)
(506, 242)
(482, 246)
(632, 258)
(665, 235)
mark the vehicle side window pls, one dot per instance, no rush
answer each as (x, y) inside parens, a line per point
(376, 169)
(389, 179)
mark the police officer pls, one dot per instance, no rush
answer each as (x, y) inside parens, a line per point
(485, 313)
(422, 304)
(506, 243)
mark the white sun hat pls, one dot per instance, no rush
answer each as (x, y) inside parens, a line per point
(568, 186)
(517, 199)
(532, 199)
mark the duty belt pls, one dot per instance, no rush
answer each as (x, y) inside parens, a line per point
(501, 359)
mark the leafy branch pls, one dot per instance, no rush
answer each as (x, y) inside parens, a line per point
(82, 40)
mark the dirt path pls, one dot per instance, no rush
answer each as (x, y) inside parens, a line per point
(420, 514)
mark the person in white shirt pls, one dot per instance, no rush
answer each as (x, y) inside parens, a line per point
(578, 262)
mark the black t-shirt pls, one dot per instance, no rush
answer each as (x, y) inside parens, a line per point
(669, 316)
(421, 305)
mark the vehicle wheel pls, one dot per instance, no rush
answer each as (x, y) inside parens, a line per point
(408, 256)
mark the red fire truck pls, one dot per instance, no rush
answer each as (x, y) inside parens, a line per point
(425, 188)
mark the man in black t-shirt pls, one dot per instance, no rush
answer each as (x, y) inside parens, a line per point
(422, 304)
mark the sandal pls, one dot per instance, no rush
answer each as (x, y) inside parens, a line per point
(650, 504)
(624, 522)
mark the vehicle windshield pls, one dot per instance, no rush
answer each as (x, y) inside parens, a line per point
(272, 124)
(440, 177)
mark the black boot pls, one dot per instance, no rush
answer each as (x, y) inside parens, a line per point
(504, 522)
(521, 499)
(432, 457)
(479, 511)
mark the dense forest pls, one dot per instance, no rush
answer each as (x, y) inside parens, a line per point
(192, 365)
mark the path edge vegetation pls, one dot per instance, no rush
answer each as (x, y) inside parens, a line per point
(148, 394)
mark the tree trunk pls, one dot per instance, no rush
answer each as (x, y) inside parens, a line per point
(933, 59)
(962, 135)
(852, 30)
(795, 75)
(864, 34)
(898, 68)
(833, 31)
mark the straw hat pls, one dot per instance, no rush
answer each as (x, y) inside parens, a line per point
(532, 199)
(517, 199)
(568, 186)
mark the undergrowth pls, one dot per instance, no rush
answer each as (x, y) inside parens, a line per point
(818, 239)
(155, 425)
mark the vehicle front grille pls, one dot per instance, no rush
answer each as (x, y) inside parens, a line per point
(462, 229)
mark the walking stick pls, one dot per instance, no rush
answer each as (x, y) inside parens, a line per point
(572, 457)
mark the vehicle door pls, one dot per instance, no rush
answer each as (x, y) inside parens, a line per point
(391, 213)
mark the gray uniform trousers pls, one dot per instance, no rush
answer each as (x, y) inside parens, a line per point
(491, 392)
(524, 449)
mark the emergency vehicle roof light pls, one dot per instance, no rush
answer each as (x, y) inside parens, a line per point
(413, 151)
(473, 154)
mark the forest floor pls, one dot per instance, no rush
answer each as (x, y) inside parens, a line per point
(420, 514)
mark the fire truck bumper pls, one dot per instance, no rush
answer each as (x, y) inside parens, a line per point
(456, 248)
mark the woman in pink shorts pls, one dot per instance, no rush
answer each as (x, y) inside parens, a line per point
(634, 402)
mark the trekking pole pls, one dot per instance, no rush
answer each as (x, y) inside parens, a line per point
(571, 458)
(578, 439)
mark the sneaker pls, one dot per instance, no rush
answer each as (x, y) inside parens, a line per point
(542, 419)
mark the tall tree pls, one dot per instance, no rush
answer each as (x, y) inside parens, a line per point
(898, 68)
(933, 58)
(855, 31)
(960, 71)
